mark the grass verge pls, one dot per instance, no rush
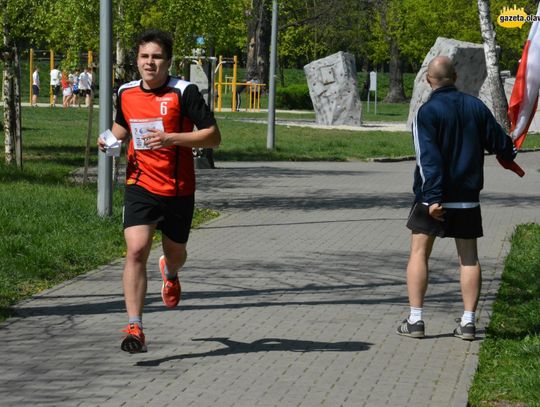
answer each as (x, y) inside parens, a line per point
(509, 361)
(247, 142)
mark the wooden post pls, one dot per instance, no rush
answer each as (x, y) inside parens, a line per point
(31, 65)
(51, 63)
(88, 138)
(234, 84)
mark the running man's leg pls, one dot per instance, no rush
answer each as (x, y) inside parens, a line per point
(175, 255)
(470, 271)
(139, 242)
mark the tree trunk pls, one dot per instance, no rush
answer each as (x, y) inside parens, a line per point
(9, 106)
(259, 31)
(498, 97)
(17, 109)
(396, 92)
(119, 69)
(9, 139)
(281, 72)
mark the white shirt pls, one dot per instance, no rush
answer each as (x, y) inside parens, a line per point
(55, 77)
(35, 78)
(85, 81)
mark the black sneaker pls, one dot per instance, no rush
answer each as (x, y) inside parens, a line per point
(467, 332)
(415, 330)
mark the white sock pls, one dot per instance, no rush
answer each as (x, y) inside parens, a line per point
(415, 315)
(136, 320)
(468, 316)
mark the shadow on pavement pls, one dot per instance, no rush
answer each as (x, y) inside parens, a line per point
(263, 345)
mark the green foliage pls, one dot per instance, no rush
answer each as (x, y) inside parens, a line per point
(220, 23)
(307, 30)
(294, 97)
(315, 29)
(366, 29)
(509, 361)
(457, 19)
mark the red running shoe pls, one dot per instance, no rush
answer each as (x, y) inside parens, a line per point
(170, 290)
(134, 342)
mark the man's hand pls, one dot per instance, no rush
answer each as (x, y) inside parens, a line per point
(436, 211)
(101, 144)
(157, 139)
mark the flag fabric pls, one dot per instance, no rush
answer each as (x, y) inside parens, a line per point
(524, 99)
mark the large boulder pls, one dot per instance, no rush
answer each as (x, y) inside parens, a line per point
(334, 91)
(470, 63)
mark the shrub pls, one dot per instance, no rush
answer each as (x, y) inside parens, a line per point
(294, 97)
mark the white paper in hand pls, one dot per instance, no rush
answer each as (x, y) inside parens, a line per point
(112, 144)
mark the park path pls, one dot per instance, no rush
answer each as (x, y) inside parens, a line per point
(291, 298)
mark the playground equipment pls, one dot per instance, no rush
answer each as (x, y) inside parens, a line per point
(253, 89)
(202, 72)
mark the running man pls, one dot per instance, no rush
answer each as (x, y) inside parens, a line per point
(157, 114)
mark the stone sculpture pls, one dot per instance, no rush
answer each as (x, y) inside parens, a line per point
(333, 90)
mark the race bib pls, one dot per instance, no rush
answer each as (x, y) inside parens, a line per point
(139, 129)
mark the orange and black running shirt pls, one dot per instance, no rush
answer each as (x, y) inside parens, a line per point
(174, 108)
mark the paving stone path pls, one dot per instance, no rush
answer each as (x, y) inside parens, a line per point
(291, 298)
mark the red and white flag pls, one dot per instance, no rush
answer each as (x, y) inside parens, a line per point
(524, 99)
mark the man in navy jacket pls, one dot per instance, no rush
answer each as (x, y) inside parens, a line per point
(451, 132)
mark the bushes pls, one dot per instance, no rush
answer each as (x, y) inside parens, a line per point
(294, 97)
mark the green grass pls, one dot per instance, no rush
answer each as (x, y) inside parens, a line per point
(49, 225)
(386, 112)
(247, 142)
(509, 360)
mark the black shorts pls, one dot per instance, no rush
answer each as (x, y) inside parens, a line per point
(171, 214)
(458, 223)
(56, 90)
(35, 90)
(85, 92)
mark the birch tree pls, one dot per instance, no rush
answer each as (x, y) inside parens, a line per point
(498, 97)
(11, 93)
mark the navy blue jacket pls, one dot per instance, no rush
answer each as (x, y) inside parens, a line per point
(451, 131)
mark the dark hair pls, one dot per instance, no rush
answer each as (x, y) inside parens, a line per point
(161, 38)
